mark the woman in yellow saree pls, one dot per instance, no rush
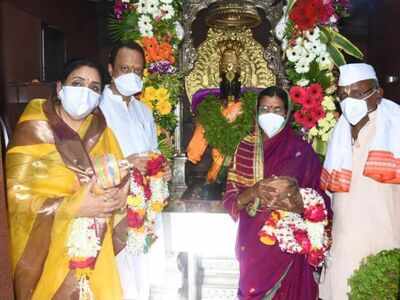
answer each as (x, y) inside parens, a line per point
(51, 183)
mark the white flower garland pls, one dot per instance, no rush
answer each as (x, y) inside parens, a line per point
(296, 234)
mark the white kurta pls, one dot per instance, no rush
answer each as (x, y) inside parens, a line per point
(134, 127)
(366, 220)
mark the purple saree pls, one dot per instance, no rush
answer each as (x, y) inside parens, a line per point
(265, 271)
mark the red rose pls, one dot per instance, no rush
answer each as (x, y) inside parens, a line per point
(155, 165)
(135, 220)
(302, 238)
(298, 94)
(315, 257)
(315, 213)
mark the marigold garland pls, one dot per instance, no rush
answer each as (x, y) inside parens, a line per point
(219, 132)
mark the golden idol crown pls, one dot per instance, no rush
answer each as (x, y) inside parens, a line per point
(233, 13)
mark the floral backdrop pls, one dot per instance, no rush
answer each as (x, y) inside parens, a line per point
(312, 45)
(155, 24)
(313, 48)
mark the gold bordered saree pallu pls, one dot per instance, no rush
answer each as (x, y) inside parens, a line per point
(44, 192)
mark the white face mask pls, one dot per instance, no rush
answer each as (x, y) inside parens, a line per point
(128, 84)
(270, 123)
(78, 101)
(355, 109)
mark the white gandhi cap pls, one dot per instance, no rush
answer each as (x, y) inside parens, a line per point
(352, 73)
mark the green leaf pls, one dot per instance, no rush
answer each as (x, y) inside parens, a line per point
(165, 148)
(320, 147)
(325, 35)
(336, 55)
(340, 41)
(290, 5)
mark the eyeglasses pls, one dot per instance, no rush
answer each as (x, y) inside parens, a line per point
(355, 94)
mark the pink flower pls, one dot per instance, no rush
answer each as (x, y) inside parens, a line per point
(303, 240)
(315, 213)
(298, 94)
(315, 257)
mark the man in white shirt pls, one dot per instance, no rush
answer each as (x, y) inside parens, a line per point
(134, 127)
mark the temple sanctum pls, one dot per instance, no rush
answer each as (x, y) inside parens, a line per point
(199, 149)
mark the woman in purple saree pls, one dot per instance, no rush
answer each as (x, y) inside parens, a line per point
(277, 154)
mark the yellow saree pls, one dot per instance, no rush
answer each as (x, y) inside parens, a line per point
(44, 193)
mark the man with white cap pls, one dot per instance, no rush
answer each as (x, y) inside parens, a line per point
(362, 169)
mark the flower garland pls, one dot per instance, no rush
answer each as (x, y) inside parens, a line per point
(155, 24)
(83, 246)
(312, 48)
(219, 132)
(300, 235)
(146, 200)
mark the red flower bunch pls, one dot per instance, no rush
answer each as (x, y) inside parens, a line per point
(315, 213)
(306, 14)
(310, 99)
(134, 218)
(155, 165)
(315, 257)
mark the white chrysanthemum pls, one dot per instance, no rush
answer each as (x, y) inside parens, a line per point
(145, 27)
(280, 28)
(180, 33)
(303, 82)
(142, 7)
(308, 56)
(166, 1)
(313, 34)
(325, 62)
(152, 8)
(295, 53)
(302, 66)
(168, 11)
(315, 47)
(300, 41)
(126, 1)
